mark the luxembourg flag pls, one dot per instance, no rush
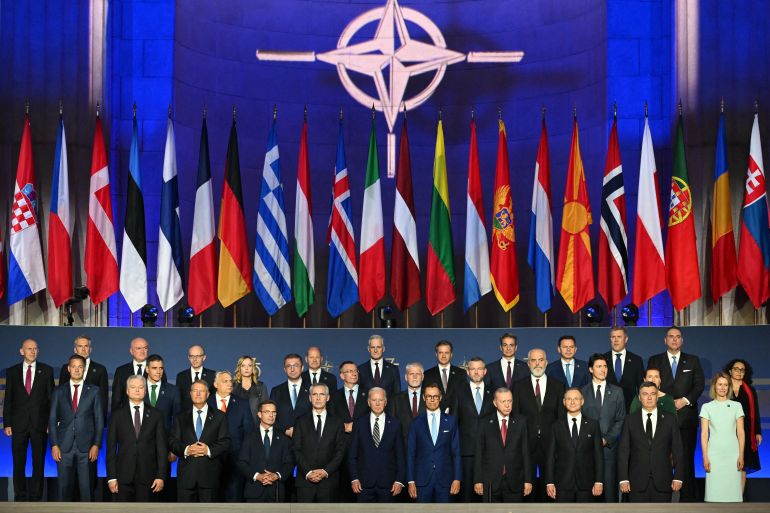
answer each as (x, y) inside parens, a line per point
(60, 226)
(169, 277)
(477, 278)
(26, 275)
(540, 255)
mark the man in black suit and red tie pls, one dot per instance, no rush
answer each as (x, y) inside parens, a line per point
(200, 438)
(314, 373)
(506, 371)
(681, 377)
(266, 461)
(650, 451)
(502, 469)
(95, 374)
(626, 368)
(28, 387)
(446, 375)
(376, 372)
(574, 470)
(137, 449)
(349, 402)
(138, 350)
(408, 404)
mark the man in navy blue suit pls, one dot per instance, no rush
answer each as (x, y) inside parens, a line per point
(568, 370)
(376, 372)
(75, 427)
(376, 453)
(433, 462)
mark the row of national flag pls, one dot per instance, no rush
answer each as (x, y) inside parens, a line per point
(281, 273)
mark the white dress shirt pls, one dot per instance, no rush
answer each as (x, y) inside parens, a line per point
(136, 365)
(543, 384)
(579, 418)
(382, 365)
(219, 399)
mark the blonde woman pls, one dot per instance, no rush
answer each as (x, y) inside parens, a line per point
(722, 441)
(247, 384)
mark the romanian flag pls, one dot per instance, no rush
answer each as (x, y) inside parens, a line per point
(234, 280)
(503, 268)
(574, 275)
(440, 282)
(723, 261)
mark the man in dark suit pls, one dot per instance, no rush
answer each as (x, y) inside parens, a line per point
(161, 394)
(506, 371)
(604, 403)
(95, 374)
(433, 461)
(28, 387)
(376, 461)
(650, 451)
(408, 404)
(197, 355)
(539, 400)
(75, 426)
(376, 372)
(502, 468)
(626, 368)
(292, 397)
(200, 438)
(574, 469)
(349, 402)
(447, 376)
(319, 449)
(266, 461)
(138, 365)
(314, 373)
(470, 403)
(137, 448)
(239, 423)
(681, 377)
(568, 370)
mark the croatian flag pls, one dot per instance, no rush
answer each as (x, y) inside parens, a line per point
(60, 226)
(540, 255)
(169, 277)
(26, 275)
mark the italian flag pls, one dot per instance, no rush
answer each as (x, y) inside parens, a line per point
(304, 259)
(371, 278)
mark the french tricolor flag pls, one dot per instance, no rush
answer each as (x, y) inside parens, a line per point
(60, 226)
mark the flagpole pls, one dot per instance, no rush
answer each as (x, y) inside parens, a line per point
(580, 319)
(235, 315)
(372, 318)
(545, 319)
(510, 319)
(407, 317)
(304, 321)
(720, 311)
(165, 318)
(476, 315)
(441, 316)
(649, 312)
(269, 321)
(614, 317)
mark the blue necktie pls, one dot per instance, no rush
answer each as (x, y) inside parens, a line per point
(618, 367)
(569, 374)
(199, 425)
(266, 443)
(478, 400)
(433, 428)
(673, 366)
(293, 396)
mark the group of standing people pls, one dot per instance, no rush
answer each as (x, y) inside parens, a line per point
(506, 430)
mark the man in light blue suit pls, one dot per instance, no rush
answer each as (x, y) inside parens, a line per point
(604, 403)
(433, 462)
(75, 427)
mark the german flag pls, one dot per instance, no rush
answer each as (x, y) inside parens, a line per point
(234, 270)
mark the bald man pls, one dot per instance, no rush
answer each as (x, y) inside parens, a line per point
(184, 380)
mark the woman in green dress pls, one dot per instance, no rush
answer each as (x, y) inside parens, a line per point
(665, 402)
(722, 439)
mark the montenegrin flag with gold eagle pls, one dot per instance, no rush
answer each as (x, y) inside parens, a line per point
(574, 275)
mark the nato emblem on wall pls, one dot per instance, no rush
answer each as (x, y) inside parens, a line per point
(409, 58)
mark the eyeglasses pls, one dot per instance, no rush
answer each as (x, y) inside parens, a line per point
(268, 412)
(433, 397)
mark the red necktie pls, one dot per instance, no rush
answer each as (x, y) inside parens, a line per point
(414, 404)
(538, 397)
(377, 377)
(504, 433)
(508, 376)
(28, 380)
(351, 405)
(75, 399)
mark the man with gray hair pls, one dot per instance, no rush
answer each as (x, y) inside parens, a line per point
(408, 404)
(376, 372)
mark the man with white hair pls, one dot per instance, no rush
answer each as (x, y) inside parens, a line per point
(408, 404)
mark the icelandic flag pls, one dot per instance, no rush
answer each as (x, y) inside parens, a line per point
(26, 275)
(60, 226)
(540, 255)
(272, 276)
(342, 291)
(477, 277)
(169, 276)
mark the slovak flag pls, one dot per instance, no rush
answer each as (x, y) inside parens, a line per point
(26, 275)
(60, 226)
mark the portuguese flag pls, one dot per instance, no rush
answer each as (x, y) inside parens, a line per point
(440, 282)
(682, 272)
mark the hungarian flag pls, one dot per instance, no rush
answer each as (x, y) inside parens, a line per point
(202, 285)
(574, 276)
(304, 255)
(440, 281)
(404, 257)
(371, 284)
(540, 255)
(101, 261)
(723, 262)
(613, 243)
(504, 270)
(59, 227)
(649, 260)
(682, 272)
(477, 277)
(234, 279)
(754, 247)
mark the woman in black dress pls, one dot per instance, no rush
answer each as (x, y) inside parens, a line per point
(247, 385)
(741, 376)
